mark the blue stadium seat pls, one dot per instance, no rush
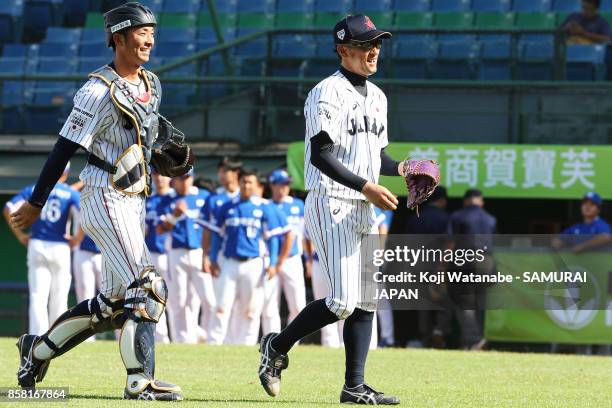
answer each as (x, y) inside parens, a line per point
(464, 38)
(12, 65)
(182, 71)
(156, 6)
(256, 6)
(205, 38)
(37, 16)
(176, 34)
(50, 50)
(75, 12)
(253, 48)
(606, 5)
(296, 47)
(61, 35)
(455, 60)
(412, 5)
(11, 12)
(93, 36)
(536, 38)
(293, 6)
(223, 6)
(333, 6)
(566, 6)
(11, 7)
(450, 5)
(56, 65)
(183, 6)
(364, 6)
(495, 62)
(174, 49)
(536, 61)
(490, 5)
(154, 62)
(497, 39)
(97, 50)
(413, 59)
(533, 6)
(87, 65)
(585, 62)
(321, 68)
(15, 50)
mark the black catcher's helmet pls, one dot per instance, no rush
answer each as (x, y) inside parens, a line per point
(128, 15)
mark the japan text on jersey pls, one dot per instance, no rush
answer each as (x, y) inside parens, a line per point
(54, 216)
(187, 232)
(357, 126)
(156, 205)
(243, 223)
(211, 209)
(293, 209)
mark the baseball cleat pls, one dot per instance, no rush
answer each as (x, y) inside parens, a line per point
(366, 395)
(271, 365)
(31, 370)
(156, 391)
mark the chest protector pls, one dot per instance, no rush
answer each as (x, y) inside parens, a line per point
(130, 172)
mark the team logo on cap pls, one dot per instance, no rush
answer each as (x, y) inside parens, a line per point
(341, 34)
(369, 23)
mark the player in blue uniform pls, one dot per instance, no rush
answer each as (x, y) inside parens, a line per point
(241, 224)
(185, 261)
(48, 252)
(156, 205)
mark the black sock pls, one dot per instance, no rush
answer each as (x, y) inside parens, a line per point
(357, 335)
(312, 318)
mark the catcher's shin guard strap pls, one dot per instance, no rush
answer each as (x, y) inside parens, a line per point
(146, 297)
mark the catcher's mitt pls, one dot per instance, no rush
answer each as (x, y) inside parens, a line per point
(422, 177)
(170, 155)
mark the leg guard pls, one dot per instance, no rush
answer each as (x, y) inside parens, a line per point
(145, 303)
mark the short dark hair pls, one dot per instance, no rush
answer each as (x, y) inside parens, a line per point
(249, 172)
(595, 3)
(229, 163)
(472, 193)
(438, 194)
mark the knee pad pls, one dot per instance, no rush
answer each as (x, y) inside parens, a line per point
(107, 314)
(146, 296)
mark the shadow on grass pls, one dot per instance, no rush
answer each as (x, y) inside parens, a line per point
(250, 401)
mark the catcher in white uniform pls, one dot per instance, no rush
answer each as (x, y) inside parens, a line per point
(116, 119)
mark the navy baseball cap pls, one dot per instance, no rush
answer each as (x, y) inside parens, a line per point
(280, 176)
(357, 28)
(594, 197)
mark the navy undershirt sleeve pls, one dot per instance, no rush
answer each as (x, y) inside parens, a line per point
(388, 166)
(63, 150)
(322, 158)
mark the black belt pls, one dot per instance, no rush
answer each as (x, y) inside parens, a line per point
(243, 258)
(101, 164)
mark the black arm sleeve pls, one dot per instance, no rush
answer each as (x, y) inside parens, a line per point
(63, 150)
(388, 166)
(322, 158)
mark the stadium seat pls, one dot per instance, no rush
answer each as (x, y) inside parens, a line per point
(206, 37)
(566, 6)
(324, 45)
(294, 20)
(321, 68)
(156, 6)
(91, 50)
(292, 6)
(12, 65)
(531, 6)
(482, 6)
(294, 46)
(225, 20)
(174, 49)
(367, 6)
(455, 60)
(495, 62)
(536, 61)
(11, 7)
(223, 6)
(585, 62)
(333, 6)
(454, 20)
(56, 65)
(409, 19)
(15, 50)
(446, 6)
(177, 20)
(255, 20)
(176, 34)
(495, 20)
(7, 29)
(412, 59)
(254, 48)
(93, 36)
(256, 6)
(37, 16)
(75, 12)
(50, 50)
(94, 20)
(327, 20)
(87, 65)
(535, 21)
(382, 19)
(183, 6)
(61, 35)
(606, 5)
(412, 5)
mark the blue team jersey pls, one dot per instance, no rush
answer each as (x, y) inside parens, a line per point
(187, 232)
(88, 245)
(582, 232)
(210, 211)
(383, 217)
(51, 225)
(156, 205)
(293, 210)
(244, 223)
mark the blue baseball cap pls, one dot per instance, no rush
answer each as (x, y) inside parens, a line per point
(280, 176)
(594, 197)
(357, 28)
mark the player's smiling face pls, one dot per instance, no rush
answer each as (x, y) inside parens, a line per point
(136, 45)
(361, 60)
(248, 186)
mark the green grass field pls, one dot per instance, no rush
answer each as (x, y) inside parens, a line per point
(226, 376)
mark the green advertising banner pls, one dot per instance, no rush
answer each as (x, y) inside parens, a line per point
(579, 313)
(499, 170)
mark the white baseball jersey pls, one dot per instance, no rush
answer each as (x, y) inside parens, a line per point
(357, 125)
(96, 124)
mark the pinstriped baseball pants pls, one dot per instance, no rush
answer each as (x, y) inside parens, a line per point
(338, 228)
(115, 222)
